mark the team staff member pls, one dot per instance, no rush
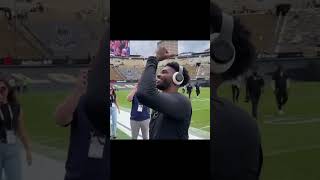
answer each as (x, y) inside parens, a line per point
(114, 109)
(139, 116)
(84, 111)
(255, 85)
(197, 89)
(189, 89)
(235, 85)
(172, 111)
(235, 139)
(12, 132)
(280, 85)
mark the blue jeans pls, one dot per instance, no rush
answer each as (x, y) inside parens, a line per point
(114, 118)
(10, 161)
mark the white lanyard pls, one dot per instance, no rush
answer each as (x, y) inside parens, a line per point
(11, 115)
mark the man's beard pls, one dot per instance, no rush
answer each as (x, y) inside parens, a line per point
(165, 84)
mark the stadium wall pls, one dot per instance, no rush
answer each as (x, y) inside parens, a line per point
(299, 69)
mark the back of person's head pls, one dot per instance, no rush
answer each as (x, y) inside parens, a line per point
(186, 77)
(244, 50)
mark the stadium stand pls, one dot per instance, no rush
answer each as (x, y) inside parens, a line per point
(300, 32)
(132, 68)
(14, 42)
(64, 34)
(115, 75)
(262, 27)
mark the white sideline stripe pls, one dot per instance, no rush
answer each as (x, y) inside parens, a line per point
(124, 125)
(203, 99)
(200, 109)
(204, 127)
(275, 153)
(292, 120)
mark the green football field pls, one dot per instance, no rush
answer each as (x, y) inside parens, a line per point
(200, 109)
(291, 142)
(38, 109)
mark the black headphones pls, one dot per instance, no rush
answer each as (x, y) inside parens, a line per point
(222, 51)
(178, 76)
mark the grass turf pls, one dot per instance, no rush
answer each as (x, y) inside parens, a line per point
(291, 151)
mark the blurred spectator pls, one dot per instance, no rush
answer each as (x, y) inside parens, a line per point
(8, 60)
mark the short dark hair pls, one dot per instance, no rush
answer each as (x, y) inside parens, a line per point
(185, 73)
(245, 50)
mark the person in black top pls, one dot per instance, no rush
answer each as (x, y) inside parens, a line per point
(247, 97)
(171, 115)
(255, 85)
(114, 108)
(236, 152)
(235, 86)
(12, 129)
(84, 111)
(183, 89)
(189, 89)
(280, 85)
(197, 89)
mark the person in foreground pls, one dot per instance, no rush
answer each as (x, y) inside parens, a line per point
(85, 114)
(12, 133)
(236, 152)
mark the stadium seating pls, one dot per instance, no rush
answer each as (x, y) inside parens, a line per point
(262, 28)
(115, 75)
(203, 71)
(64, 34)
(14, 43)
(300, 32)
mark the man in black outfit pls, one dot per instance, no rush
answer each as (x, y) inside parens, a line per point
(255, 85)
(247, 98)
(189, 89)
(171, 115)
(280, 86)
(235, 86)
(197, 89)
(236, 152)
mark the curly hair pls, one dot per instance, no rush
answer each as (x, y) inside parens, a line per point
(245, 50)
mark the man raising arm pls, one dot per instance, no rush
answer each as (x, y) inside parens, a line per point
(171, 110)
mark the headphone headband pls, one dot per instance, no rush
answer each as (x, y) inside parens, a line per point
(180, 69)
(226, 27)
(222, 50)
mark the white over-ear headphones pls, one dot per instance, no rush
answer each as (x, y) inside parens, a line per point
(222, 51)
(178, 76)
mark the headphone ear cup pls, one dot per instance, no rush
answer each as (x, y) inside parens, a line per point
(222, 55)
(177, 78)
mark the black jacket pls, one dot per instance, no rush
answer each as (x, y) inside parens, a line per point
(236, 152)
(171, 114)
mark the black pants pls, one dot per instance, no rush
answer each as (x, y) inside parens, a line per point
(189, 94)
(198, 92)
(247, 93)
(282, 98)
(255, 102)
(235, 93)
